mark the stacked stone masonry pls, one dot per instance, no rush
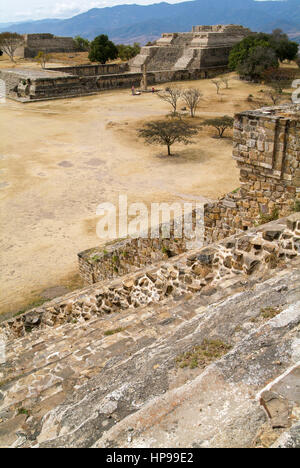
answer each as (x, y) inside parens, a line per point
(48, 43)
(202, 53)
(205, 48)
(80, 385)
(39, 85)
(267, 149)
(196, 272)
(266, 146)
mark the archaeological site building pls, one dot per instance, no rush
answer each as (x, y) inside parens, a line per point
(202, 53)
(205, 48)
(48, 43)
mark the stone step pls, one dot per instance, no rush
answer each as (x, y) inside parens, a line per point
(250, 256)
(185, 60)
(220, 407)
(57, 369)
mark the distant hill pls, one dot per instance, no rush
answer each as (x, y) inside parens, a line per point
(129, 23)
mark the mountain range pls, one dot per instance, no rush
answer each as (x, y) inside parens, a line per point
(130, 23)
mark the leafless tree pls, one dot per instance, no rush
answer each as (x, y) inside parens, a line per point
(217, 84)
(225, 80)
(9, 43)
(171, 96)
(274, 95)
(192, 97)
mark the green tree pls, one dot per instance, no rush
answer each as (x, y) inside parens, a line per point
(259, 59)
(102, 50)
(167, 132)
(127, 52)
(82, 45)
(284, 48)
(9, 43)
(252, 48)
(241, 50)
(220, 123)
(42, 58)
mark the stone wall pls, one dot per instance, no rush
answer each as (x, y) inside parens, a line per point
(128, 255)
(47, 43)
(197, 272)
(32, 85)
(62, 82)
(266, 147)
(93, 70)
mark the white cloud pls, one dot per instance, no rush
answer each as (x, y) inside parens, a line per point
(18, 10)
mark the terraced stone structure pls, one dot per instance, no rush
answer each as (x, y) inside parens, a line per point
(266, 146)
(200, 351)
(47, 43)
(206, 48)
(38, 85)
(196, 348)
(202, 53)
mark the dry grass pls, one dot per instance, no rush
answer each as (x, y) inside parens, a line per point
(57, 59)
(113, 332)
(203, 355)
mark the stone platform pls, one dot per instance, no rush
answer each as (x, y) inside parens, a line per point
(116, 382)
(80, 373)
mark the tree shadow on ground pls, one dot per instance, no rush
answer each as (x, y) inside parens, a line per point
(184, 156)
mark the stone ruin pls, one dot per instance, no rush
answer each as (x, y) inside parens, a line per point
(202, 53)
(198, 350)
(47, 43)
(206, 48)
(266, 146)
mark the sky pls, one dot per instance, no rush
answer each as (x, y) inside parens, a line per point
(20, 10)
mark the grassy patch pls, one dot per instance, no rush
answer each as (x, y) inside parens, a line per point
(270, 312)
(33, 305)
(95, 258)
(203, 355)
(297, 206)
(24, 411)
(113, 332)
(236, 190)
(267, 218)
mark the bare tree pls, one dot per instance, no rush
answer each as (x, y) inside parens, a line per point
(171, 96)
(9, 43)
(192, 97)
(217, 84)
(225, 81)
(167, 132)
(274, 95)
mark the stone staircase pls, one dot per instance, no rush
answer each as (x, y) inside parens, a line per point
(200, 351)
(80, 385)
(185, 61)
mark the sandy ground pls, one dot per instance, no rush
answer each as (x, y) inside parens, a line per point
(60, 159)
(56, 60)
